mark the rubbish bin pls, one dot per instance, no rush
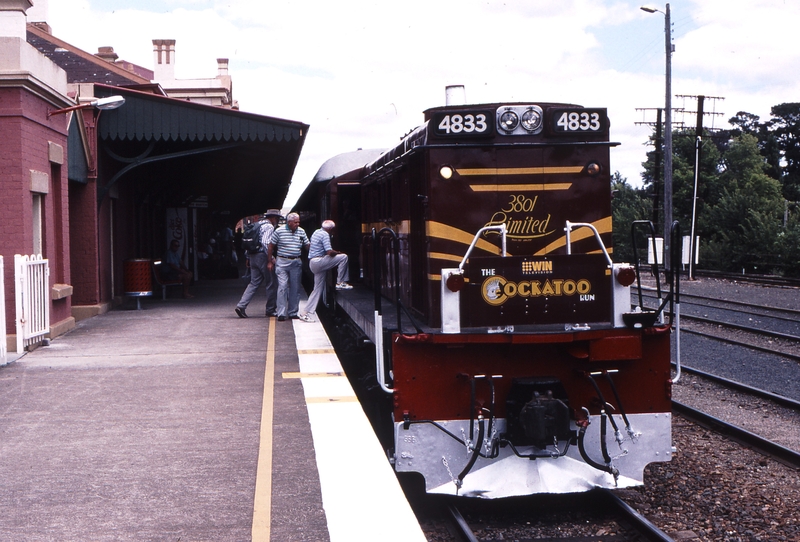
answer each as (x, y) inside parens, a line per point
(137, 279)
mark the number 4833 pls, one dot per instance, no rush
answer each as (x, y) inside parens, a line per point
(455, 124)
(574, 121)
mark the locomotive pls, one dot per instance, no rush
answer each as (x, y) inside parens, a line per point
(503, 329)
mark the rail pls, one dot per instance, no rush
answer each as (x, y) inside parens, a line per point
(503, 231)
(760, 444)
(572, 225)
(673, 297)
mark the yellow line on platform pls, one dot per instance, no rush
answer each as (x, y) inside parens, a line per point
(317, 351)
(262, 504)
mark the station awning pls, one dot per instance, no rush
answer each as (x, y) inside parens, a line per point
(186, 154)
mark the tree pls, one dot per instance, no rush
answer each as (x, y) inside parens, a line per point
(788, 246)
(709, 185)
(627, 204)
(747, 123)
(785, 127)
(746, 219)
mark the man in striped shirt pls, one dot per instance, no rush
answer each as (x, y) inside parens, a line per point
(321, 258)
(286, 245)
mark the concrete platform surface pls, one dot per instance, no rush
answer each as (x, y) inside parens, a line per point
(147, 425)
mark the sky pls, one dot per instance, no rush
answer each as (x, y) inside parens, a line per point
(361, 72)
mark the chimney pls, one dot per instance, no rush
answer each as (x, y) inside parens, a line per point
(107, 54)
(164, 60)
(455, 95)
(222, 66)
(12, 18)
(38, 14)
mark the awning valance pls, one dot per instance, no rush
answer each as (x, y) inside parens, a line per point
(146, 117)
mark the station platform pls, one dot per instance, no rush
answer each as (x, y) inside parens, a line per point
(181, 421)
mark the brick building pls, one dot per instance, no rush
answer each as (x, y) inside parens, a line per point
(92, 189)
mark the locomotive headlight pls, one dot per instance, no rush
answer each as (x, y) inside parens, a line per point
(531, 120)
(509, 121)
(593, 169)
(446, 172)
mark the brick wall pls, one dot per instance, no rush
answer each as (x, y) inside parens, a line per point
(25, 138)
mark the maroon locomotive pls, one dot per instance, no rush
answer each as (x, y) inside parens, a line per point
(503, 329)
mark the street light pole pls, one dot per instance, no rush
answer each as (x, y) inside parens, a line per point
(101, 104)
(667, 133)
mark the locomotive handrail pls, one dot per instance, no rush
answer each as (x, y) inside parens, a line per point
(380, 362)
(379, 346)
(377, 284)
(653, 267)
(675, 281)
(503, 231)
(568, 229)
(672, 275)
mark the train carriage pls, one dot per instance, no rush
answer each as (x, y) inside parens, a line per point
(503, 329)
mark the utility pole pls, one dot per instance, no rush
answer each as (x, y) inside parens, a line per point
(668, 140)
(668, 48)
(658, 171)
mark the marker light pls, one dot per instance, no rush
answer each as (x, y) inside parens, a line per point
(626, 275)
(446, 172)
(455, 282)
(593, 169)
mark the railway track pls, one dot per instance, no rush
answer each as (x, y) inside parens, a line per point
(769, 280)
(763, 337)
(607, 506)
(762, 445)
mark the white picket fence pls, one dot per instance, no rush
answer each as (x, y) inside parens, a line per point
(32, 278)
(3, 334)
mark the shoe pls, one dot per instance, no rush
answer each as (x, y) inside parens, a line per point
(281, 318)
(271, 314)
(343, 286)
(240, 312)
(305, 318)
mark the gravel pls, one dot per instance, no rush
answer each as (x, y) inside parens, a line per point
(716, 490)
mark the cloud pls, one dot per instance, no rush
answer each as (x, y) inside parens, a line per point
(362, 72)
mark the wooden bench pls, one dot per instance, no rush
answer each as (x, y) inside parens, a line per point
(158, 274)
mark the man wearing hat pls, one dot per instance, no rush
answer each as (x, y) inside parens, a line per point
(259, 271)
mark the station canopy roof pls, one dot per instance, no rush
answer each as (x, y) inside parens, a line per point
(187, 154)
